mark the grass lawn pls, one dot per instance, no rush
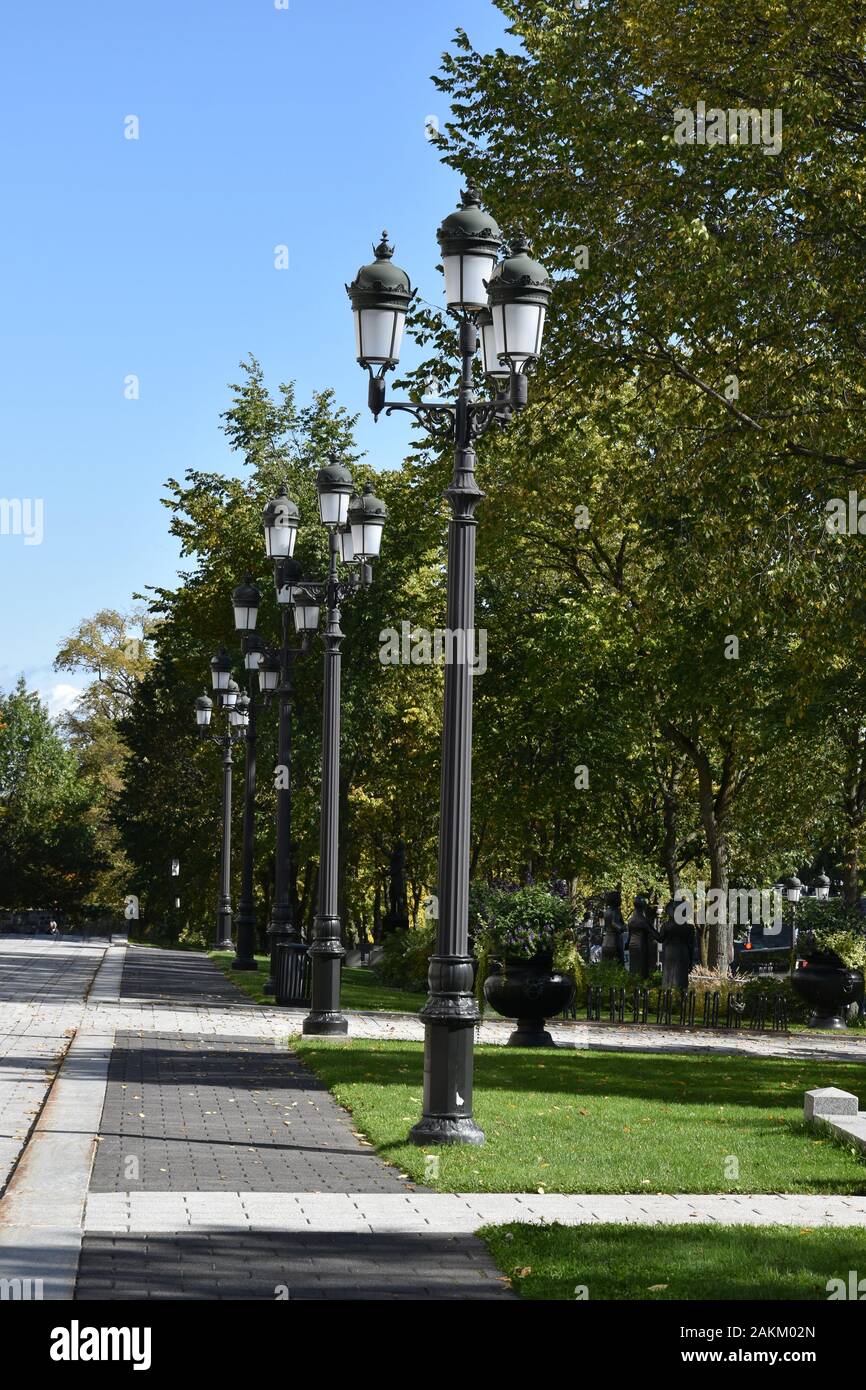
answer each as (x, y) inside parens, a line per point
(359, 988)
(661, 1263)
(568, 1121)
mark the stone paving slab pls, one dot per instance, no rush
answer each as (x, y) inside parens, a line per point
(460, 1213)
(212, 1114)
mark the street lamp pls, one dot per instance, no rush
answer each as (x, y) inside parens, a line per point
(227, 694)
(380, 295)
(793, 889)
(280, 524)
(822, 888)
(520, 292)
(511, 316)
(246, 599)
(498, 372)
(366, 518)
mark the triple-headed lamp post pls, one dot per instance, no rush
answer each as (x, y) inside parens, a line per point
(506, 300)
(246, 599)
(354, 527)
(236, 707)
(280, 524)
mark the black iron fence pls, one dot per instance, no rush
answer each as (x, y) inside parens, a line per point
(687, 1008)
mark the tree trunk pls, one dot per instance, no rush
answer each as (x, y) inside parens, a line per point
(851, 866)
(854, 807)
(717, 939)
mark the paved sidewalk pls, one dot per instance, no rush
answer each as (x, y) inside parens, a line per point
(43, 985)
(208, 1119)
(225, 1114)
(182, 1151)
(184, 993)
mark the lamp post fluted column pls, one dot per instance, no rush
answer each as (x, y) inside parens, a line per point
(451, 1011)
(282, 928)
(224, 911)
(245, 949)
(326, 950)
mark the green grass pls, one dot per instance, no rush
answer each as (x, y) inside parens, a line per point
(359, 989)
(568, 1121)
(661, 1263)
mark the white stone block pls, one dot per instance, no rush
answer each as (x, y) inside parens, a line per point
(826, 1101)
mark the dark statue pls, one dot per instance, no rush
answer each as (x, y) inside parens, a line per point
(397, 917)
(613, 944)
(678, 941)
(642, 938)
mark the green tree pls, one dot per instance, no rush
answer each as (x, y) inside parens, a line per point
(49, 855)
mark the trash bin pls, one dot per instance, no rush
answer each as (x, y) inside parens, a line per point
(292, 975)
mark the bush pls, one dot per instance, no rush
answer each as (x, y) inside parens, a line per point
(775, 989)
(831, 928)
(609, 974)
(405, 958)
(525, 924)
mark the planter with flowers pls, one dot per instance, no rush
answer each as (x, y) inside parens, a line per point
(831, 960)
(526, 960)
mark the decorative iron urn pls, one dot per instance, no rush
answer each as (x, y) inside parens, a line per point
(530, 991)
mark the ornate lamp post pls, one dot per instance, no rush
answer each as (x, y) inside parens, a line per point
(245, 601)
(508, 302)
(227, 692)
(280, 523)
(354, 537)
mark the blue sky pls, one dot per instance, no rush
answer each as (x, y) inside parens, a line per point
(154, 257)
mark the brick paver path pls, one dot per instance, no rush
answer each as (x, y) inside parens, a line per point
(225, 1115)
(231, 1115)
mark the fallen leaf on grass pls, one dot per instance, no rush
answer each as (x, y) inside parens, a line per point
(654, 1288)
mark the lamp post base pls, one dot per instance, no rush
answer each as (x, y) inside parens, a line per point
(239, 964)
(326, 960)
(325, 1026)
(446, 1129)
(450, 1016)
(223, 940)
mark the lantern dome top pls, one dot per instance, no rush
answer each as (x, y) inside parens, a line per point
(367, 507)
(519, 277)
(469, 228)
(380, 280)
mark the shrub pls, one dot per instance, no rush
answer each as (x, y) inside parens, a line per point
(405, 958)
(774, 989)
(609, 974)
(831, 928)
